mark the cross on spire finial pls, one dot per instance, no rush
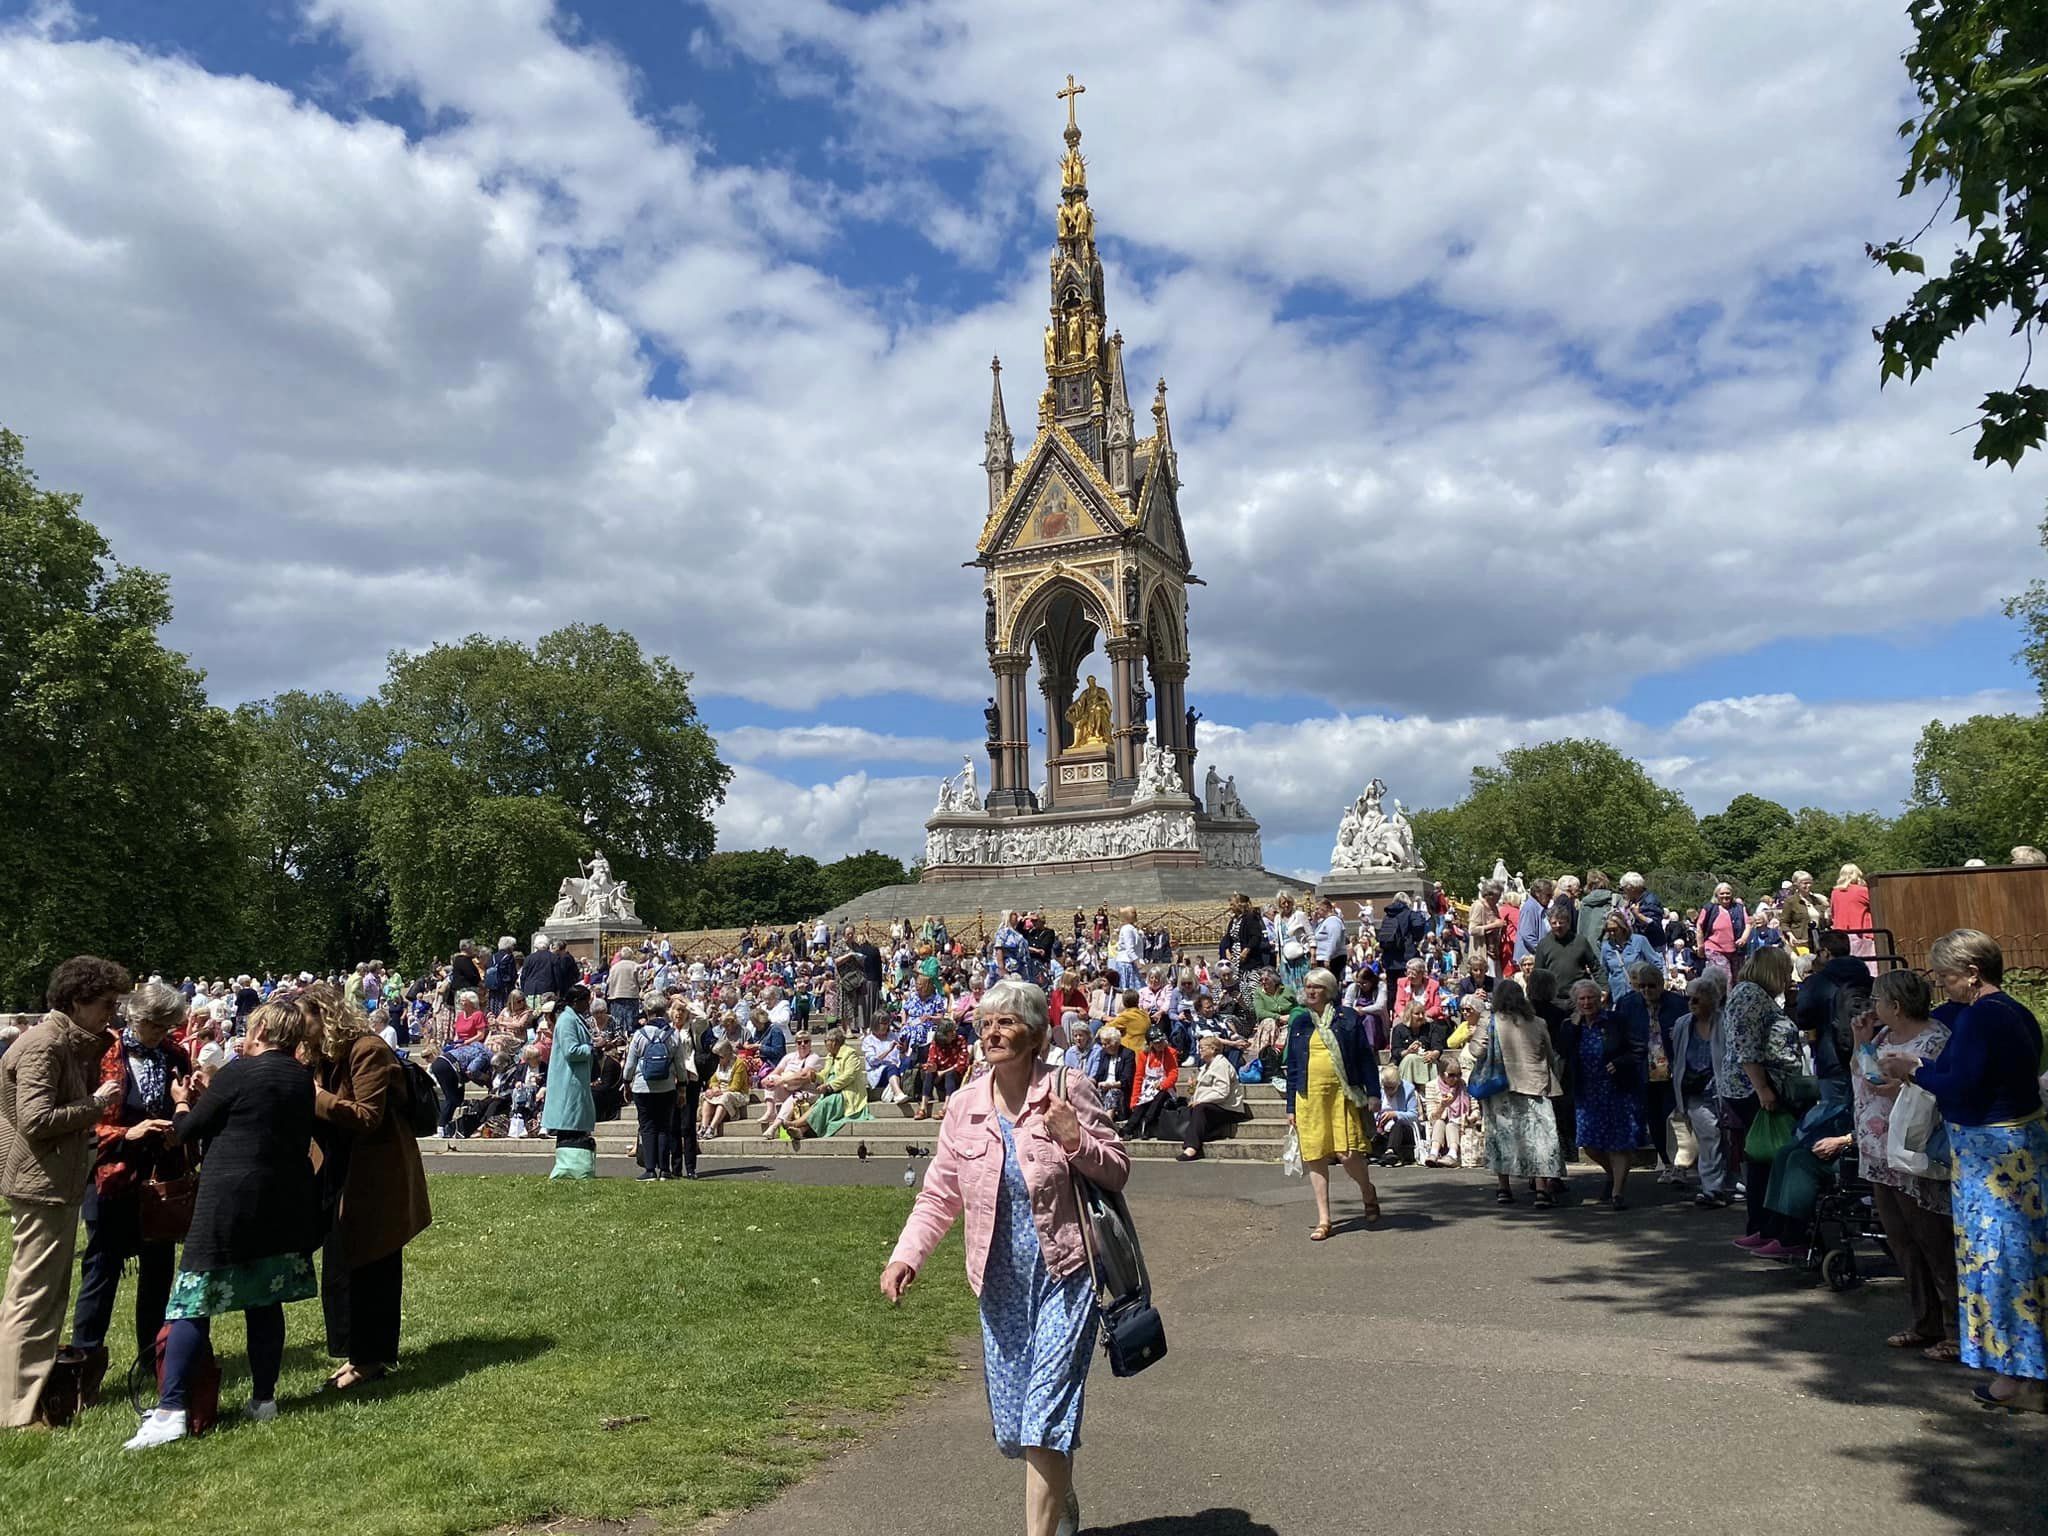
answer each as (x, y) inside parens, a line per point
(1068, 96)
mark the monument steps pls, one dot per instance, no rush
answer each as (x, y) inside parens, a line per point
(889, 1135)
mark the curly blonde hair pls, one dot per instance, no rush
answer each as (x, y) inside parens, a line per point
(337, 1022)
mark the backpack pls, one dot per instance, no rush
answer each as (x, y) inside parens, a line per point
(1393, 934)
(423, 1106)
(657, 1055)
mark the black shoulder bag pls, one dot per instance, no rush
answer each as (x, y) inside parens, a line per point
(1133, 1336)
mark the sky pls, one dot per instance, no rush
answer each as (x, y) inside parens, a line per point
(1519, 358)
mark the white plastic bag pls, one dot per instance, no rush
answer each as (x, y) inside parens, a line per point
(1914, 1122)
(1290, 1154)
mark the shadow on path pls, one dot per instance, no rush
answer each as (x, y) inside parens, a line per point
(1665, 1259)
(1210, 1522)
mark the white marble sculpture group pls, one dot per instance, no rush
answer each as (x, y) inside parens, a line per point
(957, 792)
(596, 898)
(1157, 777)
(1369, 838)
(1219, 797)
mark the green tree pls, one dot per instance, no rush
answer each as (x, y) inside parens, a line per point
(584, 720)
(1980, 71)
(754, 885)
(1575, 804)
(118, 781)
(859, 873)
(1979, 788)
(313, 893)
(460, 863)
(1739, 834)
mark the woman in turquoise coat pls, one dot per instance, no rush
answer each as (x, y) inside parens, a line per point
(570, 1112)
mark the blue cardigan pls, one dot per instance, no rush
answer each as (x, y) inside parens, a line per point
(1360, 1065)
(1989, 1072)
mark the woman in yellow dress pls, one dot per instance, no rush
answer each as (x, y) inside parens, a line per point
(1330, 1099)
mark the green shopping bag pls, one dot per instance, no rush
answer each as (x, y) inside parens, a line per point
(1770, 1133)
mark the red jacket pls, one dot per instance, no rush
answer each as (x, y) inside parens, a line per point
(120, 1165)
(1159, 1055)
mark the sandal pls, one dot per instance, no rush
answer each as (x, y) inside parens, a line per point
(1319, 1232)
(1906, 1338)
(1544, 1200)
(1372, 1209)
(1943, 1349)
(1504, 1197)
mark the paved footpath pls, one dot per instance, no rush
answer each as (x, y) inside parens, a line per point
(1464, 1369)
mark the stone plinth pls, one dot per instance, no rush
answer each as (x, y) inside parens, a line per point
(1350, 889)
(583, 935)
(1081, 779)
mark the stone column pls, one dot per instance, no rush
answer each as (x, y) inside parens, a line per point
(1011, 790)
(1055, 709)
(1125, 655)
(1171, 678)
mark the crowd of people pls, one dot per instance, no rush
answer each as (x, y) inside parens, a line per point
(1752, 1052)
(220, 1178)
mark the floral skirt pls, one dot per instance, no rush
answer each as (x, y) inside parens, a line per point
(241, 1287)
(2000, 1212)
(1521, 1136)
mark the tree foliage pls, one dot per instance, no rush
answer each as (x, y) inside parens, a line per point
(1575, 804)
(859, 873)
(118, 781)
(313, 894)
(1980, 71)
(1979, 788)
(754, 885)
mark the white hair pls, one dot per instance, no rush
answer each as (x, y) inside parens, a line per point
(1022, 1000)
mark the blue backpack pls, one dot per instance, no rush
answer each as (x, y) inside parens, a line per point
(657, 1059)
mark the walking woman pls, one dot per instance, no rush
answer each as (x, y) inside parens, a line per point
(1987, 1084)
(370, 1173)
(1008, 1150)
(255, 1222)
(569, 1112)
(134, 1147)
(1330, 1078)
(1611, 1088)
(1520, 1136)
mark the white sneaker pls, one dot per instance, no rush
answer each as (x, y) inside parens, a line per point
(160, 1426)
(260, 1412)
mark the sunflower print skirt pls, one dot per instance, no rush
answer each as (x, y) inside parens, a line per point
(2001, 1224)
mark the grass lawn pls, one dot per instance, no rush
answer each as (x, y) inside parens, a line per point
(742, 1319)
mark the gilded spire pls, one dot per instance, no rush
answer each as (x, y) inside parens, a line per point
(1162, 449)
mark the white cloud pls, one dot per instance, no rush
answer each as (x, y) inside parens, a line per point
(1296, 777)
(356, 393)
(842, 743)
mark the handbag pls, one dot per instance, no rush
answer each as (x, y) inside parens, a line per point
(165, 1207)
(1133, 1335)
(1492, 1079)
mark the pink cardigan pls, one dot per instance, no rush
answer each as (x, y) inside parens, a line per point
(966, 1174)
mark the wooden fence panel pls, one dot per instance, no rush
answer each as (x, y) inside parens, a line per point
(2009, 902)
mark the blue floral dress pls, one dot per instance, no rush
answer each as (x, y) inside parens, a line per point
(1037, 1333)
(1610, 1119)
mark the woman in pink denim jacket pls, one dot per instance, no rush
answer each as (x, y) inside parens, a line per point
(1007, 1151)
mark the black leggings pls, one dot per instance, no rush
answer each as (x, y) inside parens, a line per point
(449, 1081)
(1661, 1101)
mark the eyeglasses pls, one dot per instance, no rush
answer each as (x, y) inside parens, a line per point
(1002, 1022)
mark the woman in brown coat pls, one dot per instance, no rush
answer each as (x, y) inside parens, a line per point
(372, 1179)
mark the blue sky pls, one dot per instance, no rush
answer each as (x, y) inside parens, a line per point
(1520, 366)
